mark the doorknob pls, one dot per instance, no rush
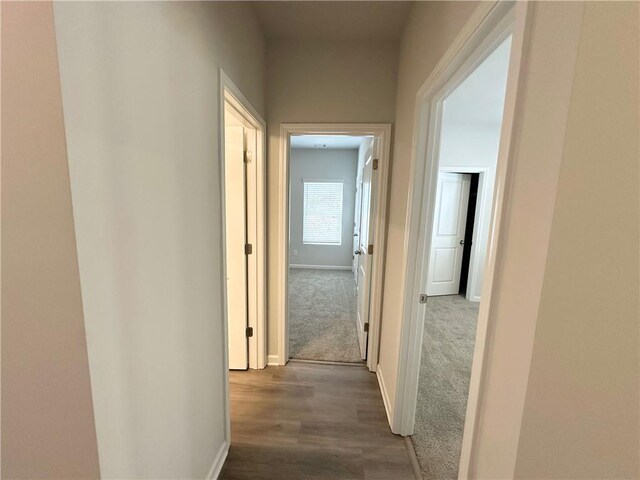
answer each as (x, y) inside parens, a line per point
(461, 242)
(358, 252)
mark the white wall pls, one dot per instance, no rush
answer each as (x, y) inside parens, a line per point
(314, 164)
(140, 92)
(320, 81)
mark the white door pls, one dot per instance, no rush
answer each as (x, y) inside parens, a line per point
(235, 231)
(365, 238)
(356, 226)
(447, 243)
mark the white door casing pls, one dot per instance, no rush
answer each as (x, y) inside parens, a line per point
(381, 133)
(447, 243)
(236, 234)
(365, 238)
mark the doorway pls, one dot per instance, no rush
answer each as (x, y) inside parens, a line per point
(330, 204)
(331, 241)
(243, 200)
(326, 201)
(460, 130)
(472, 112)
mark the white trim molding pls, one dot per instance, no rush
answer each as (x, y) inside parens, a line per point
(321, 267)
(229, 93)
(272, 360)
(490, 25)
(218, 461)
(382, 132)
(385, 394)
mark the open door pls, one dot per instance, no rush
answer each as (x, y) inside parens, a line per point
(449, 223)
(236, 235)
(365, 246)
(356, 225)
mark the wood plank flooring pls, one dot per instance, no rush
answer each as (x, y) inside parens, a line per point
(311, 421)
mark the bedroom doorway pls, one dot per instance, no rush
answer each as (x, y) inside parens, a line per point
(333, 177)
(471, 125)
(329, 207)
(466, 114)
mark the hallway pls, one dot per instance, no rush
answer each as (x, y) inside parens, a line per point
(308, 421)
(165, 164)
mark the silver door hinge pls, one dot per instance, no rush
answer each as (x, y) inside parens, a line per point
(423, 298)
(375, 163)
(249, 332)
(366, 327)
(370, 249)
(248, 155)
(248, 249)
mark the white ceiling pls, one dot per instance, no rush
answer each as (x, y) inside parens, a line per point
(326, 142)
(332, 20)
(480, 97)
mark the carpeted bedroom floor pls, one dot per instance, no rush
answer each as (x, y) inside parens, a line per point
(322, 315)
(445, 370)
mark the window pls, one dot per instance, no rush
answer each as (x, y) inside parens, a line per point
(322, 213)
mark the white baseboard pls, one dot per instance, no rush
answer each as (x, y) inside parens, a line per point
(272, 360)
(322, 267)
(218, 461)
(385, 394)
(413, 459)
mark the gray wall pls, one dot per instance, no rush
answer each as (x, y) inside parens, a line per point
(320, 81)
(140, 90)
(313, 165)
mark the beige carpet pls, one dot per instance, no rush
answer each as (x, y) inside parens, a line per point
(445, 370)
(322, 315)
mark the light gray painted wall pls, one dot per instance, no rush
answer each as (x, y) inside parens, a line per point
(320, 81)
(322, 164)
(140, 91)
(581, 412)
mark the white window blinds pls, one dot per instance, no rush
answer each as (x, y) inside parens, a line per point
(322, 213)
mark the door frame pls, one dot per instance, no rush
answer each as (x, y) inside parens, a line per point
(438, 201)
(383, 133)
(490, 24)
(231, 94)
(479, 217)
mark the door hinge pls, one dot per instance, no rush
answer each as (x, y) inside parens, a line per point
(423, 298)
(375, 163)
(249, 332)
(248, 249)
(370, 249)
(247, 156)
(366, 327)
